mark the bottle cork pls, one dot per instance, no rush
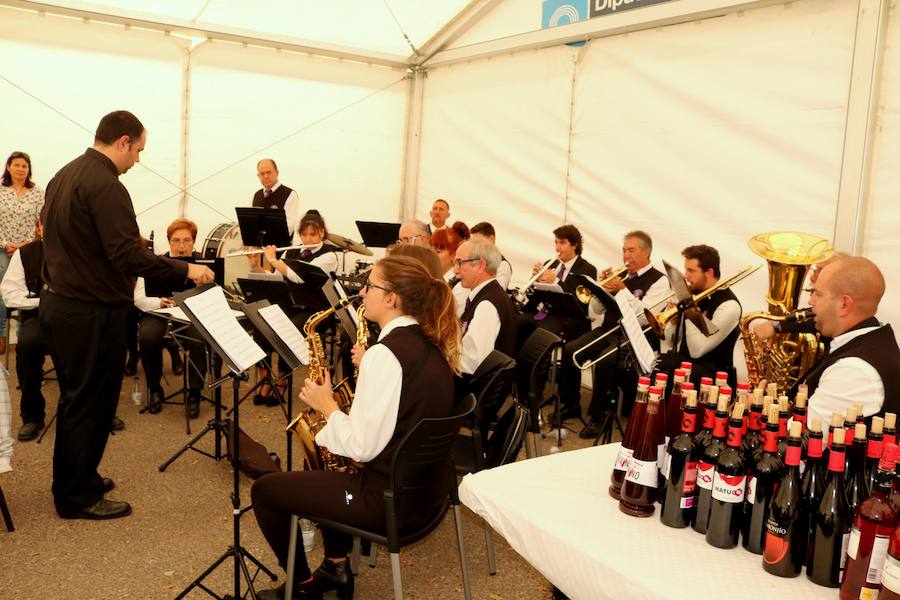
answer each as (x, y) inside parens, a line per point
(877, 425)
(796, 429)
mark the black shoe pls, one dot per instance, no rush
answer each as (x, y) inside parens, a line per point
(590, 431)
(117, 424)
(108, 485)
(155, 402)
(301, 591)
(335, 576)
(275, 396)
(193, 405)
(102, 509)
(30, 430)
(131, 365)
(261, 398)
(177, 364)
(568, 412)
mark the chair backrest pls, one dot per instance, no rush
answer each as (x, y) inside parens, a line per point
(506, 440)
(534, 366)
(492, 382)
(422, 469)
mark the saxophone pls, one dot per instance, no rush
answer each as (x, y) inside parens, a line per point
(362, 333)
(791, 355)
(309, 422)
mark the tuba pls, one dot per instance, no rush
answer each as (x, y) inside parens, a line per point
(789, 255)
(308, 423)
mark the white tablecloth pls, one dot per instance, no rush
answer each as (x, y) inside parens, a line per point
(556, 512)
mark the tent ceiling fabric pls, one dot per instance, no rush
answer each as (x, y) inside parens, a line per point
(365, 26)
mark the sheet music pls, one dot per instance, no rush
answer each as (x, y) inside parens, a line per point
(641, 348)
(287, 331)
(548, 287)
(212, 310)
(177, 313)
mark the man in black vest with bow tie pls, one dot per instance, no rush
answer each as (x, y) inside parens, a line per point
(863, 360)
(274, 195)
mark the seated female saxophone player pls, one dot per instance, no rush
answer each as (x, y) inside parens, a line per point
(420, 338)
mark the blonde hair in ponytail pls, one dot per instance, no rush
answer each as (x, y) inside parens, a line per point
(428, 300)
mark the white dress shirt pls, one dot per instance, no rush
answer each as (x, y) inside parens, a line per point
(481, 333)
(846, 382)
(366, 431)
(504, 274)
(725, 317)
(652, 300)
(450, 274)
(460, 294)
(6, 441)
(327, 261)
(13, 287)
(291, 212)
(142, 301)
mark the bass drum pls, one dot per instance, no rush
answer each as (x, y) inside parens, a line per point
(222, 240)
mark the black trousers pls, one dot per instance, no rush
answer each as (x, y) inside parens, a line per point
(131, 329)
(336, 496)
(87, 342)
(30, 353)
(151, 337)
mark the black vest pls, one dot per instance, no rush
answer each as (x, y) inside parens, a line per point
(643, 282)
(32, 256)
(493, 292)
(879, 349)
(275, 200)
(426, 391)
(719, 358)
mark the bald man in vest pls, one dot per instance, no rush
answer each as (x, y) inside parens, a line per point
(862, 363)
(274, 195)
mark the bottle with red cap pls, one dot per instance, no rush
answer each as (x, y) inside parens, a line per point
(707, 458)
(784, 413)
(687, 366)
(639, 491)
(706, 384)
(874, 448)
(889, 433)
(761, 485)
(856, 475)
(873, 526)
(679, 505)
(675, 405)
(753, 438)
(635, 423)
(721, 379)
(742, 395)
(787, 535)
(729, 488)
(831, 525)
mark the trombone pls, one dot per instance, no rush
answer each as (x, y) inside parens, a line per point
(584, 295)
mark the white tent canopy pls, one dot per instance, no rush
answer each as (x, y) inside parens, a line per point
(699, 121)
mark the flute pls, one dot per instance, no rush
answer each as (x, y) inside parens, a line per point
(261, 250)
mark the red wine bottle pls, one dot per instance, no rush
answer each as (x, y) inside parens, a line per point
(707, 458)
(743, 396)
(890, 575)
(870, 537)
(688, 367)
(831, 525)
(783, 415)
(837, 422)
(705, 386)
(679, 506)
(874, 450)
(889, 433)
(674, 406)
(753, 438)
(729, 488)
(705, 435)
(761, 485)
(640, 488)
(635, 423)
(855, 475)
(721, 379)
(787, 535)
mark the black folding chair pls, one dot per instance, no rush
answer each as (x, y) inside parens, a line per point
(423, 458)
(537, 365)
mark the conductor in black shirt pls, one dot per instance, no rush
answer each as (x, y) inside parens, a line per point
(91, 259)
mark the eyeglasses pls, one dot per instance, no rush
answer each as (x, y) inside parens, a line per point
(410, 239)
(178, 241)
(458, 262)
(368, 284)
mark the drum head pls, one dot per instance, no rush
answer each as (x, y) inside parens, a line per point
(223, 239)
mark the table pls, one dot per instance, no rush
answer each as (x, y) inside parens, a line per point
(556, 512)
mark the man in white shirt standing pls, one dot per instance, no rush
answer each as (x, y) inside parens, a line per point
(863, 360)
(439, 213)
(274, 195)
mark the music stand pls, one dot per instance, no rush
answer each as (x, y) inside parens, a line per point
(236, 374)
(375, 234)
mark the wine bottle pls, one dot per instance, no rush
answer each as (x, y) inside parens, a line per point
(707, 458)
(753, 439)
(687, 366)
(679, 505)
(705, 435)
(640, 488)
(783, 415)
(635, 423)
(674, 406)
(860, 416)
(799, 411)
(761, 485)
(870, 536)
(772, 390)
(837, 421)
(743, 396)
(889, 433)
(721, 379)
(890, 575)
(874, 450)
(855, 475)
(831, 525)
(787, 535)
(705, 386)
(729, 488)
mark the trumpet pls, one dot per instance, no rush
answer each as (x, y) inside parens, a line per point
(522, 295)
(584, 295)
(261, 250)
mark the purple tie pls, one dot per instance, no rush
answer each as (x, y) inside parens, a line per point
(305, 254)
(267, 193)
(632, 275)
(561, 271)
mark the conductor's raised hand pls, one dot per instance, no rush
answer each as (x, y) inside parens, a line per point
(200, 274)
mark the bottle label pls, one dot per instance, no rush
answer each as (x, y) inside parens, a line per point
(623, 458)
(751, 489)
(660, 457)
(690, 479)
(853, 546)
(667, 466)
(890, 575)
(775, 549)
(877, 559)
(705, 475)
(729, 488)
(688, 422)
(688, 501)
(845, 540)
(643, 472)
